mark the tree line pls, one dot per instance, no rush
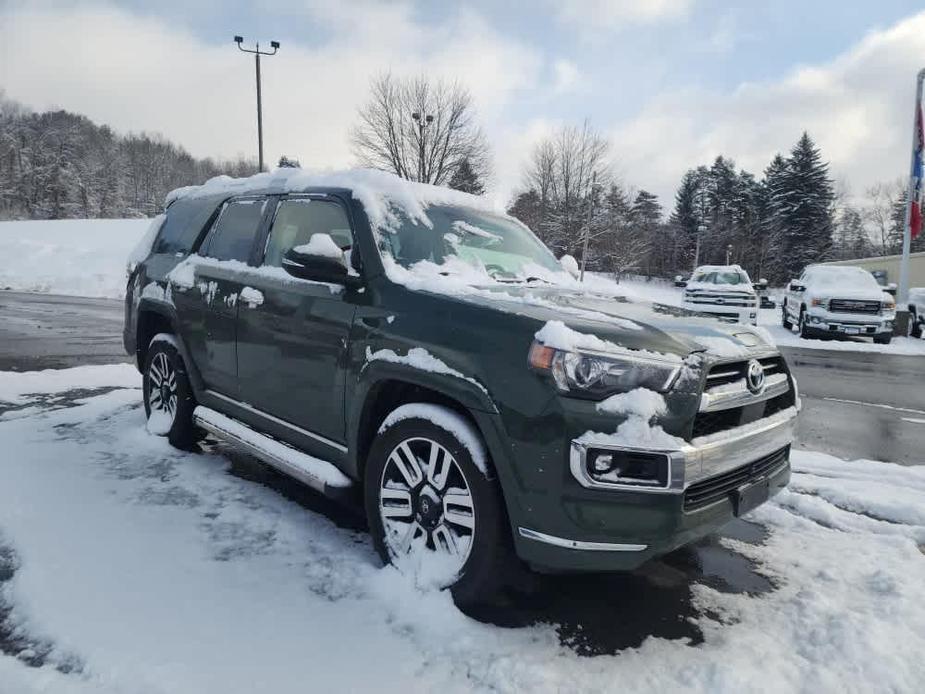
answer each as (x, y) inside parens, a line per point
(59, 164)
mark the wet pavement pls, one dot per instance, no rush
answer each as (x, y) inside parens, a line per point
(46, 331)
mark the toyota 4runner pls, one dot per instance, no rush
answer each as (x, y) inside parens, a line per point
(364, 333)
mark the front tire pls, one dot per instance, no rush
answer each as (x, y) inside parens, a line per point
(806, 332)
(428, 501)
(882, 339)
(168, 396)
(783, 317)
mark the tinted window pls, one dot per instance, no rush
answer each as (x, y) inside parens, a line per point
(185, 221)
(234, 232)
(297, 220)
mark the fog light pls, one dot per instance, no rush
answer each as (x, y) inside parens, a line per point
(815, 319)
(603, 462)
(628, 467)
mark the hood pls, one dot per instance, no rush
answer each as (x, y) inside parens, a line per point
(720, 288)
(858, 293)
(632, 323)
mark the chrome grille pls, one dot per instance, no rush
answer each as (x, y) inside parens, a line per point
(854, 306)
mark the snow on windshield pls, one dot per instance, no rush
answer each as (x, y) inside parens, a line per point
(721, 274)
(506, 249)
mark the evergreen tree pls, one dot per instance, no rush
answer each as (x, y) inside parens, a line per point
(805, 209)
(466, 179)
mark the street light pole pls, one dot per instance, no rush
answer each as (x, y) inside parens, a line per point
(584, 247)
(422, 142)
(257, 53)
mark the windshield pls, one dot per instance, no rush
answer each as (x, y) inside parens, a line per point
(504, 247)
(722, 277)
(843, 277)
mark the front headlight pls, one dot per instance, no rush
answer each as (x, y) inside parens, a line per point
(819, 302)
(889, 305)
(596, 376)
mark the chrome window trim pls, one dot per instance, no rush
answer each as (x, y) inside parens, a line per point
(281, 422)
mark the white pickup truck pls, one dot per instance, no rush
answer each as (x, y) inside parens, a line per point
(838, 300)
(724, 291)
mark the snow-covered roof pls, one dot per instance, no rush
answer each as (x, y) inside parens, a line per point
(381, 193)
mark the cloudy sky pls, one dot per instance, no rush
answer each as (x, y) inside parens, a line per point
(673, 83)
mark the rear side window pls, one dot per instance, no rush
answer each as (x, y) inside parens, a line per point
(297, 220)
(185, 221)
(233, 234)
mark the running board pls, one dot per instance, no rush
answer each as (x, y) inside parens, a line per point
(316, 473)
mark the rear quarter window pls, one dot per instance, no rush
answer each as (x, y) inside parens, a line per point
(186, 220)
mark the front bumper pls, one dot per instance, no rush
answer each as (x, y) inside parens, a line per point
(850, 324)
(618, 527)
(725, 312)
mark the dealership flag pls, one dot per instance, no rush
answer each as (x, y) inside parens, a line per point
(915, 214)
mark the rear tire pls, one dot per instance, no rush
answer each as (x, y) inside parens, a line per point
(168, 396)
(404, 524)
(915, 327)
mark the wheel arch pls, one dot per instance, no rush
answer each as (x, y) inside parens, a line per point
(155, 317)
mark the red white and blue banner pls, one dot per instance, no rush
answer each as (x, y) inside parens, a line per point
(915, 213)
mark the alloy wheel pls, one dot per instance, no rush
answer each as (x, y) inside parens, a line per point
(426, 504)
(162, 386)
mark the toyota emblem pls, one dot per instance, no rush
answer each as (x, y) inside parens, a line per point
(754, 376)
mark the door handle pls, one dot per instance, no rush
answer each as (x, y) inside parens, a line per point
(252, 297)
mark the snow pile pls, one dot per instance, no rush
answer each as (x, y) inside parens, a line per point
(17, 386)
(640, 407)
(152, 571)
(640, 402)
(321, 244)
(82, 257)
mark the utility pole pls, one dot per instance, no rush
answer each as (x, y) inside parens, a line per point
(257, 53)
(728, 253)
(422, 141)
(584, 248)
(913, 192)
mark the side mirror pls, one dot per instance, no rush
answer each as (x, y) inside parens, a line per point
(760, 285)
(679, 281)
(795, 286)
(319, 260)
(890, 289)
(570, 265)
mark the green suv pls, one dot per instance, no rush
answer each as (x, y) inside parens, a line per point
(407, 343)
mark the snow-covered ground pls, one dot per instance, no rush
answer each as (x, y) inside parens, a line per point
(80, 257)
(139, 568)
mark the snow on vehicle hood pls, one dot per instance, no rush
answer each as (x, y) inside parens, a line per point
(847, 292)
(631, 323)
(721, 288)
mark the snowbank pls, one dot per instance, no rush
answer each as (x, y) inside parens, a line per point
(82, 257)
(149, 570)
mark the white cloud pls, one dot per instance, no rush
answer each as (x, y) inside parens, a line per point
(858, 108)
(612, 13)
(137, 72)
(566, 76)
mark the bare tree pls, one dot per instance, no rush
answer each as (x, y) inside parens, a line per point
(420, 129)
(561, 171)
(882, 203)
